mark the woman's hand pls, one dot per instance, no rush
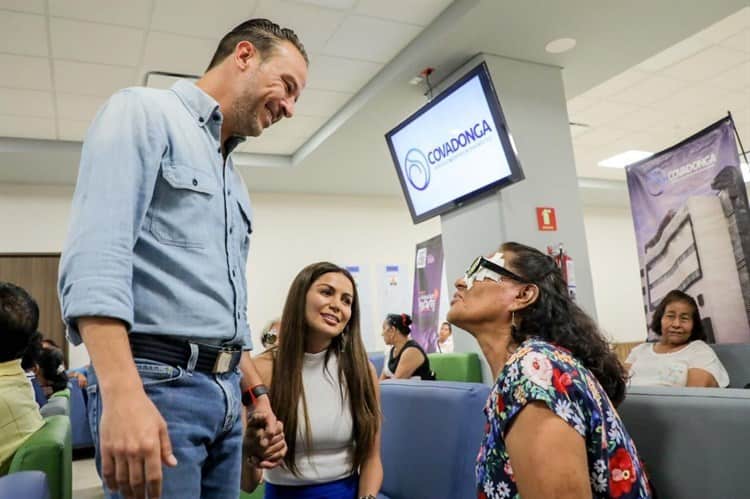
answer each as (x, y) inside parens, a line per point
(264, 446)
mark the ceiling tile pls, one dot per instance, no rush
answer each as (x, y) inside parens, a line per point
(91, 79)
(700, 97)
(321, 103)
(726, 27)
(577, 131)
(601, 113)
(640, 119)
(340, 74)
(313, 25)
(25, 72)
(740, 41)
(737, 78)
(705, 64)
(580, 102)
(24, 34)
(298, 126)
(673, 54)
(31, 6)
(177, 54)
(419, 12)
(78, 107)
(616, 84)
(272, 145)
(134, 13)
(331, 4)
(91, 42)
(355, 37)
(649, 90)
(72, 130)
(598, 137)
(200, 19)
(25, 127)
(26, 103)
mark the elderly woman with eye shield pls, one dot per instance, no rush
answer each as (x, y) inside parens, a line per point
(552, 430)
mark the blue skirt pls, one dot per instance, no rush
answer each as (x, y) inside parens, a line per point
(346, 488)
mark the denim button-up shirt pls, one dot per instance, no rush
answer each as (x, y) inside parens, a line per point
(160, 223)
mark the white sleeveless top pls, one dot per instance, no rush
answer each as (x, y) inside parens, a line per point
(331, 428)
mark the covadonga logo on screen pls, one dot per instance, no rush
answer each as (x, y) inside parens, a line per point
(417, 164)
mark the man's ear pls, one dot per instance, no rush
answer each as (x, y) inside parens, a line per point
(244, 53)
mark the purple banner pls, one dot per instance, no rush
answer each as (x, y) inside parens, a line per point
(692, 228)
(428, 274)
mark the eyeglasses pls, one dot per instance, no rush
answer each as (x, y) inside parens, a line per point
(481, 262)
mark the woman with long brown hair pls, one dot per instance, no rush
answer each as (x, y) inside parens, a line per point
(325, 391)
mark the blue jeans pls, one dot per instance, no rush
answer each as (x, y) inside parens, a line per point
(202, 412)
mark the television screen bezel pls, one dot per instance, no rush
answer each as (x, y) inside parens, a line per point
(496, 110)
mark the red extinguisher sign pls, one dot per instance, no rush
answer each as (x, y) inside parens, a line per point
(545, 218)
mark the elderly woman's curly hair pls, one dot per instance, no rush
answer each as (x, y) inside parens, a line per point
(554, 317)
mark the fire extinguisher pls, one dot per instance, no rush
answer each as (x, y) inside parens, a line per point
(566, 266)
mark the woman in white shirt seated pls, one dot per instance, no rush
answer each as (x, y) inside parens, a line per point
(681, 357)
(445, 338)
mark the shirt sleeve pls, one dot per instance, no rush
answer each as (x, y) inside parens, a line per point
(541, 375)
(120, 159)
(703, 357)
(635, 353)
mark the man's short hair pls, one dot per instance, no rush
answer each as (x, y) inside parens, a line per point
(265, 35)
(19, 318)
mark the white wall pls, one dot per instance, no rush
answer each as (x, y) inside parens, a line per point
(615, 272)
(290, 231)
(293, 230)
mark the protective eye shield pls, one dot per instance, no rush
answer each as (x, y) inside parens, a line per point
(484, 268)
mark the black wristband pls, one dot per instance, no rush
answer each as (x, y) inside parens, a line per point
(250, 395)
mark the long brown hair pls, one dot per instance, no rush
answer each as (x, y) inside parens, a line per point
(354, 369)
(556, 318)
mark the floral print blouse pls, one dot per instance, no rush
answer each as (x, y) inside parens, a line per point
(540, 371)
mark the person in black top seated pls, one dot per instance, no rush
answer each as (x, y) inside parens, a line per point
(406, 359)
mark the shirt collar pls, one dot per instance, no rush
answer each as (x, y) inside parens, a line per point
(204, 109)
(11, 368)
(202, 106)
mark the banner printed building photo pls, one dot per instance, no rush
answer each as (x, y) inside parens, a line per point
(692, 224)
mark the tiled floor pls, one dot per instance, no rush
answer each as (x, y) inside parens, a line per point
(86, 482)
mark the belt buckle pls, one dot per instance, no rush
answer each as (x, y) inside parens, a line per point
(223, 361)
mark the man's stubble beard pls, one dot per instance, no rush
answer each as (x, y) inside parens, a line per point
(245, 116)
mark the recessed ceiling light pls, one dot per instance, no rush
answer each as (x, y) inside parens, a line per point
(624, 159)
(560, 45)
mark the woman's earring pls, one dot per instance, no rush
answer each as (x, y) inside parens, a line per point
(513, 321)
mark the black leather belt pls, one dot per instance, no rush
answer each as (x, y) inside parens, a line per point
(177, 352)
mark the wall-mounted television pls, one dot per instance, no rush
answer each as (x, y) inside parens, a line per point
(455, 148)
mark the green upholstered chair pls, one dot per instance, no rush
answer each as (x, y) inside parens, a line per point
(62, 393)
(49, 450)
(456, 366)
(257, 493)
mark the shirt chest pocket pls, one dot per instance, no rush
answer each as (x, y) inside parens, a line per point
(245, 227)
(181, 208)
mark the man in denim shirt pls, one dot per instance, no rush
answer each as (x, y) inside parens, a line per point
(152, 277)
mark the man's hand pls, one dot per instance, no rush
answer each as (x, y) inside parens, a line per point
(264, 445)
(81, 379)
(134, 442)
